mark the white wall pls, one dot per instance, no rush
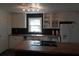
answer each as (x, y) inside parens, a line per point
(4, 29)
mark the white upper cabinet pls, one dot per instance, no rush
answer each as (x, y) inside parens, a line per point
(46, 20)
(19, 20)
(50, 20)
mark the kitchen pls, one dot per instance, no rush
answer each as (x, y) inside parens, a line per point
(59, 24)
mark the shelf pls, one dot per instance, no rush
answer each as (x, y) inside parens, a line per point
(66, 22)
(52, 28)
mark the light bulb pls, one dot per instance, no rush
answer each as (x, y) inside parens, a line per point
(33, 9)
(23, 9)
(28, 9)
(37, 10)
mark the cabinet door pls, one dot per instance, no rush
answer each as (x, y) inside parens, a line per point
(50, 20)
(55, 24)
(46, 20)
(14, 41)
(19, 39)
(55, 20)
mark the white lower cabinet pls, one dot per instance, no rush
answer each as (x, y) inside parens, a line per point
(15, 40)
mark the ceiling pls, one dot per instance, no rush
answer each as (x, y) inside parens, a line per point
(46, 7)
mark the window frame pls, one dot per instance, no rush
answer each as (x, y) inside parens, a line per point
(35, 25)
(35, 16)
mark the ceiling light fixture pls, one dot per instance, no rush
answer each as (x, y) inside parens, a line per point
(30, 7)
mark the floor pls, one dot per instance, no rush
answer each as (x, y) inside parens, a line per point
(8, 52)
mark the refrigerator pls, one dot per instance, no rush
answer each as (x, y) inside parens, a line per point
(66, 33)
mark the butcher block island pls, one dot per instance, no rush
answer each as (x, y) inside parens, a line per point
(35, 48)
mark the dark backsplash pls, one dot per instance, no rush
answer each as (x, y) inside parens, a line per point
(25, 31)
(49, 31)
(19, 31)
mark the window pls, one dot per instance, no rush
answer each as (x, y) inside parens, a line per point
(35, 25)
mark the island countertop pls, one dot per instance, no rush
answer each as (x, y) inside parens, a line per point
(66, 48)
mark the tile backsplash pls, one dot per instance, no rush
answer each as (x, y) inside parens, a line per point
(44, 31)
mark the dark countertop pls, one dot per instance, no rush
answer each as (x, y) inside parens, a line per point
(66, 48)
(31, 35)
(27, 35)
